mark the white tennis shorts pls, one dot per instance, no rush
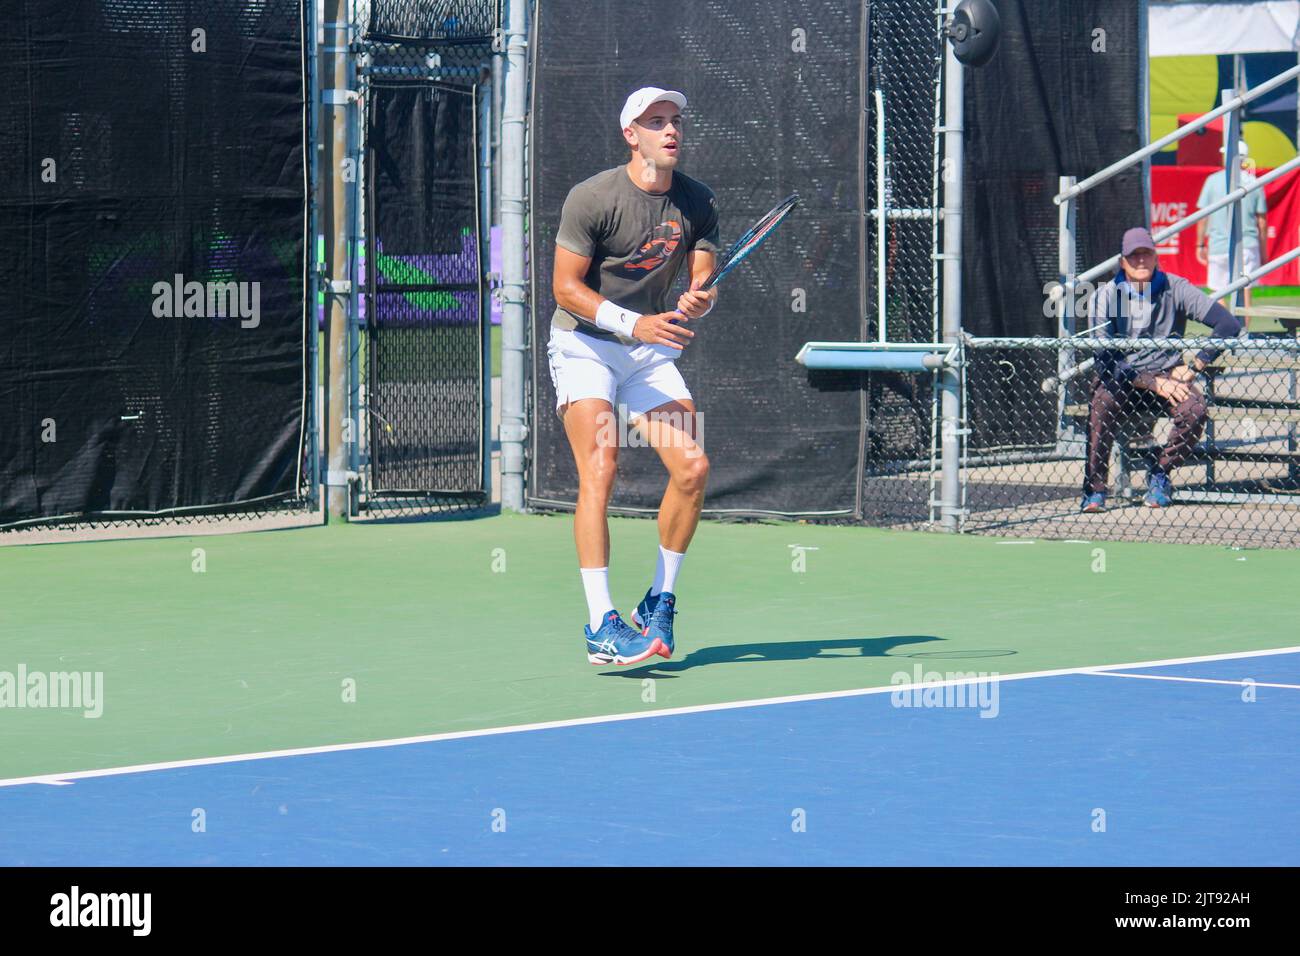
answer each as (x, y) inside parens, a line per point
(1218, 276)
(638, 378)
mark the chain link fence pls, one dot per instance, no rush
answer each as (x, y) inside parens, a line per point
(290, 511)
(905, 65)
(440, 23)
(1041, 438)
(421, 350)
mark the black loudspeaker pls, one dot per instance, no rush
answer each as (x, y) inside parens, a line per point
(974, 31)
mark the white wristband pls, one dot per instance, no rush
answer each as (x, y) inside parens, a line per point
(612, 317)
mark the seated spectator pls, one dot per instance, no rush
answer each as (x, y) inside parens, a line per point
(1143, 302)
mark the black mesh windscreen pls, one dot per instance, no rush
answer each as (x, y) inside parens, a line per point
(152, 215)
(775, 90)
(424, 299)
(1061, 97)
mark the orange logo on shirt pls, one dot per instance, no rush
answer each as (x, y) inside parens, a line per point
(658, 249)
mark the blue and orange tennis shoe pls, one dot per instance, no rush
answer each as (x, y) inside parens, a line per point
(1093, 501)
(1160, 490)
(616, 643)
(654, 615)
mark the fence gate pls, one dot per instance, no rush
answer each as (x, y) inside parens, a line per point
(422, 310)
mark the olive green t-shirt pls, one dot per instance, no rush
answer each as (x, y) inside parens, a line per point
(637, 241)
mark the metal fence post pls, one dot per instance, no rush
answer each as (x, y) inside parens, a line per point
(950, 378)
(312, 254)
(334, 75)
(882, 208)
(1066, 266)
(484, 266)
(1232, 178)
(1068, 259)
(352, 425)
(514, 311)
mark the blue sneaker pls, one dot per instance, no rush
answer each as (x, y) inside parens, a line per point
(1094, 502)
(616, 643)
(1160, 490)
(654, 615)
(643, 610)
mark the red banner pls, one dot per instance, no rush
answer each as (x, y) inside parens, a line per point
(1174, 191)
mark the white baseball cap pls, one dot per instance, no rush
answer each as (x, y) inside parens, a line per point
(643, 99)
(1242, 148)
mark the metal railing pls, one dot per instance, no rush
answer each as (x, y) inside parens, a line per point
(1067, 199)
(1170, 231)
(1114, 169)
(1072, 189)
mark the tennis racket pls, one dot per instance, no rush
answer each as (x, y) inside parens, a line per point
(750, 241)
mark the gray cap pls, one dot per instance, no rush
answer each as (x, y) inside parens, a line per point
(1139, 237)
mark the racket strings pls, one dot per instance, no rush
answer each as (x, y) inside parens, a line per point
(752, 239)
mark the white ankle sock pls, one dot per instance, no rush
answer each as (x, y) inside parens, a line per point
(666, 571)
(595, 581)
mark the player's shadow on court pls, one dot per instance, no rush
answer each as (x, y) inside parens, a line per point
(774, 651)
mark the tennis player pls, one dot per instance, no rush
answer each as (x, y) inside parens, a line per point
(624, 236)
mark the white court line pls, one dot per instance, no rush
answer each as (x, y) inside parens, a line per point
(1244, 682)
(60, 779)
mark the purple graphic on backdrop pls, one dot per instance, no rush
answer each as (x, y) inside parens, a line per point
(439, 307)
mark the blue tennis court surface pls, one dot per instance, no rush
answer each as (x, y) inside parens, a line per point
(1179, 773)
